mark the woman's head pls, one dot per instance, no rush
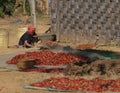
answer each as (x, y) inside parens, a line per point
(31, 29)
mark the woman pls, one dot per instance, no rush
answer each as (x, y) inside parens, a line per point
(29, 38)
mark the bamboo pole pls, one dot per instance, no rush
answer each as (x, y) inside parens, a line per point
(58, 22)
(24, 10)
(33, 12)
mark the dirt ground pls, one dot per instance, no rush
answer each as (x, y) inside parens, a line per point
(13, 81)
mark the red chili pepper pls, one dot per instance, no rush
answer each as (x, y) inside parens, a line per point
(47, 57)
(81, 84)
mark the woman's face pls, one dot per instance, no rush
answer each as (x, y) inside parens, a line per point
(31, 30)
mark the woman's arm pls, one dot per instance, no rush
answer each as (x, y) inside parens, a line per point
(27, 44)
(35, 35)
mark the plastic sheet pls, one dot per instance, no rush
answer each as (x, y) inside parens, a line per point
(47, 89)
(106, 54)
(6, 57)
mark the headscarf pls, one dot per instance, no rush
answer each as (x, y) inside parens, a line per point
(31, 30)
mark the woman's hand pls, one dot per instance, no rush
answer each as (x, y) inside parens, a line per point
(28, 45)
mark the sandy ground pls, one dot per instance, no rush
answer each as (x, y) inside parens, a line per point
(13, 81)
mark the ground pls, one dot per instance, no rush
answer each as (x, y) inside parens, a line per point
(13, 81)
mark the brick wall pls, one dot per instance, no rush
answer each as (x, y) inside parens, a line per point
(86, 21)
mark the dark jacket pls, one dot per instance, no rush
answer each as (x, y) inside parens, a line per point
(30, 39)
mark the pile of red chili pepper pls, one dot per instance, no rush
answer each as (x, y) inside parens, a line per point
(43, 70)
(85, 46)
(52, 43)
(80, 84)
(47, 57)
